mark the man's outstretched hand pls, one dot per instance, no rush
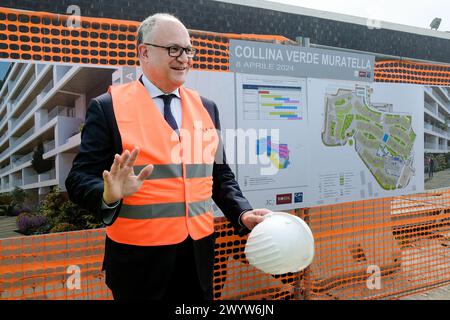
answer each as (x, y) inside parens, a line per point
(251, 218)
(121, 181)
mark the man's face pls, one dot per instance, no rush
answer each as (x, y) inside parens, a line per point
(166, 72)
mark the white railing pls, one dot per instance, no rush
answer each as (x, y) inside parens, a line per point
(23, 159)
(3, 137)
(428, 126)
(4, 153)
(25, 89)
(5, 169)
(23, 137)
(430, 108)
(61, 111)
(429, 145)
(18, 183)
(28, 179)
(19, 71)
(25, 113)
(2, 122)
(47, 88)
(438, 97)
(49, 175)
(49, 145)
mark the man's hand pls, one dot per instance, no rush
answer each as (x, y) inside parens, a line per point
(251, 218)
(121, 181)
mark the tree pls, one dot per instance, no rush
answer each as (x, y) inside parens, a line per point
(39, 164)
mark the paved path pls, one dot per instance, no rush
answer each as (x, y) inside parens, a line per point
(442, 293)
(7, 227)
(440, 179)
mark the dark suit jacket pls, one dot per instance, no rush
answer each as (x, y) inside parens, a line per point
(100, 141)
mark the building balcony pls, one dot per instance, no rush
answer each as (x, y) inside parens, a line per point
(5, 169)
(3, 137)
(26, 135)
(429, 145)
(49, 145)
(17, 183)
(47, 176)
(30, 82)
(22, 160)
(30, 179)
(2, 154)
(16, 122)
(61, 111)
(430, 107)
(428, 126)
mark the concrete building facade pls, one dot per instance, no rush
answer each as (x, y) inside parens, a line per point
(437, 119)
(44, 104)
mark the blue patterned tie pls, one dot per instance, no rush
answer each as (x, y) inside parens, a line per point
(167, 98)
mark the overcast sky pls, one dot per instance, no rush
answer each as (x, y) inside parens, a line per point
(409, 12)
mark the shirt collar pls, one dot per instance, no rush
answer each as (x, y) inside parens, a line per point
(154, 91)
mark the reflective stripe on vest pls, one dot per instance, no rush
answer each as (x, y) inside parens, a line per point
(165, 210)
(166, 171)
(175, 200)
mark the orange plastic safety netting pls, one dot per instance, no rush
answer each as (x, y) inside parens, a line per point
(42, 36)
(372, 249)
(383, 248)
(412, 72)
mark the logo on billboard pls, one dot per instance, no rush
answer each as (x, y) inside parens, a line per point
(284, 198)
(298, 197)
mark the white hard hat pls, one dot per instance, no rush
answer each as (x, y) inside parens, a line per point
(281, 243)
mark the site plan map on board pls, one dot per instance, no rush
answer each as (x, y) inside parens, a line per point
(382, 139)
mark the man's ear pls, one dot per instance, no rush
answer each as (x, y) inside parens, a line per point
(143, 51)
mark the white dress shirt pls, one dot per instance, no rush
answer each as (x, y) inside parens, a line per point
(175, 104)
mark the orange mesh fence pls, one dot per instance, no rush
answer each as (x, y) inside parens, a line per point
(43, 36)
(384, 248)
(380, 248)
(372, 249)
(54, 266)
(412, 72)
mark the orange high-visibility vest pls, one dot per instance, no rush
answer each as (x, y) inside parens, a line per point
(175, 200)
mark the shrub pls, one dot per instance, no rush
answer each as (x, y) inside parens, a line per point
(18, 196)
(59, 210)
(6, 210)
(5, 199)
(17, 209)
(28, 223)
(63, 227)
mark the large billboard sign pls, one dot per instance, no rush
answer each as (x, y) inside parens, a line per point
(307, 132)
(294, 61)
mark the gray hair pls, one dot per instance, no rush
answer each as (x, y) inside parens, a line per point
(147, 26)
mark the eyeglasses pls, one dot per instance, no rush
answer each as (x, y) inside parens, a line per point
(176, 51)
